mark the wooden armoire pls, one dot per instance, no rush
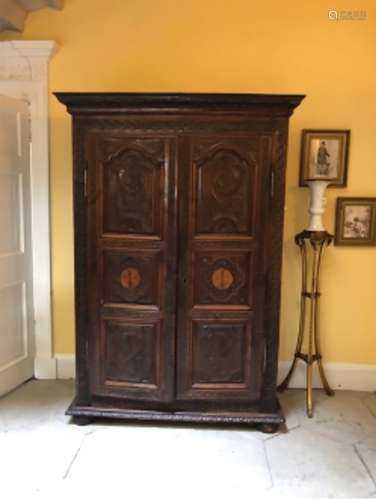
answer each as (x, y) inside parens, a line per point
(178, 213)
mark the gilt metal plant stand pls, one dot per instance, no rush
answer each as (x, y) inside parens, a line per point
(318, 241)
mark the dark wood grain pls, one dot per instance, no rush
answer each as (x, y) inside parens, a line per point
(178, 242)
(224, 177)
(131, 183)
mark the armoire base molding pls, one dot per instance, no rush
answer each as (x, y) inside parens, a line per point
(238, 418)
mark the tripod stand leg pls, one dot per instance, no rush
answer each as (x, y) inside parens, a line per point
(324, 380)
(309, 391)
(329, 391)
(312, 330)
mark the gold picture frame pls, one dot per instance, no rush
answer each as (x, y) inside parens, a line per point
(355, 221)
(324, 156)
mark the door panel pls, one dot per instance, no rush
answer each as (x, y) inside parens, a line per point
(133, 187)
(220, 354)
(223, 177)
(132, 221)
(132, 354)
(12, 303)
(222, 267)
(16, 298)
(11, 212)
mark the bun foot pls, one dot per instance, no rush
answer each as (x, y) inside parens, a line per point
(82, 420)
(267, 428)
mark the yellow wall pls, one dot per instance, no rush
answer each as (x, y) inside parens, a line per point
(231, 46)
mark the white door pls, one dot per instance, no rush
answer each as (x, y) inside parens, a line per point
(16, 300)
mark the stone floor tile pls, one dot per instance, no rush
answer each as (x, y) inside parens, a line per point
(339, 431)
(367, 452)
(35, 402)
(346, 409)
(332, 454)
(191, 461)
(340, 426)
(119, 489)
(370, 402)
(32, 458)
(305, 464)
(293, 406)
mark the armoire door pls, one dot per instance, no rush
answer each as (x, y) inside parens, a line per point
(224, 206)
(132, 265)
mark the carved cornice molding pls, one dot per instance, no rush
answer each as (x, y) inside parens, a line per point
(26, 60)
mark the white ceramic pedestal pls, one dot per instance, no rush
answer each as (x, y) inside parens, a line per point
(317, 205)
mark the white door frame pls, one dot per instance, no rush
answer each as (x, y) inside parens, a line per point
(24, 74)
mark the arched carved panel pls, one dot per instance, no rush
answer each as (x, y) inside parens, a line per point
(224, 189)
(133, 184)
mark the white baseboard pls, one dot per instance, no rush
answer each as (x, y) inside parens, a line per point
(61, 366)
(45, 368)
(66, 366)
(346, 376)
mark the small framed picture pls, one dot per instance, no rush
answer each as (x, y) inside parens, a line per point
(324, 156)
(355, 221)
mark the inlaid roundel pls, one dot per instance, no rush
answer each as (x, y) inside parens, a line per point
(130, 277)
(222, 279)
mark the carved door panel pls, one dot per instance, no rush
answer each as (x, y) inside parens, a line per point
(132, 266)
(222, 269)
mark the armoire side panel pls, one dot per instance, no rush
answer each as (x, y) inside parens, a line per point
(132, 241)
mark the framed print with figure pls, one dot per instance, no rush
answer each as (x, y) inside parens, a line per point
(324, 156)
(355, 221)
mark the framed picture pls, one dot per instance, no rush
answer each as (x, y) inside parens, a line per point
(324, 156)
(355, 221)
